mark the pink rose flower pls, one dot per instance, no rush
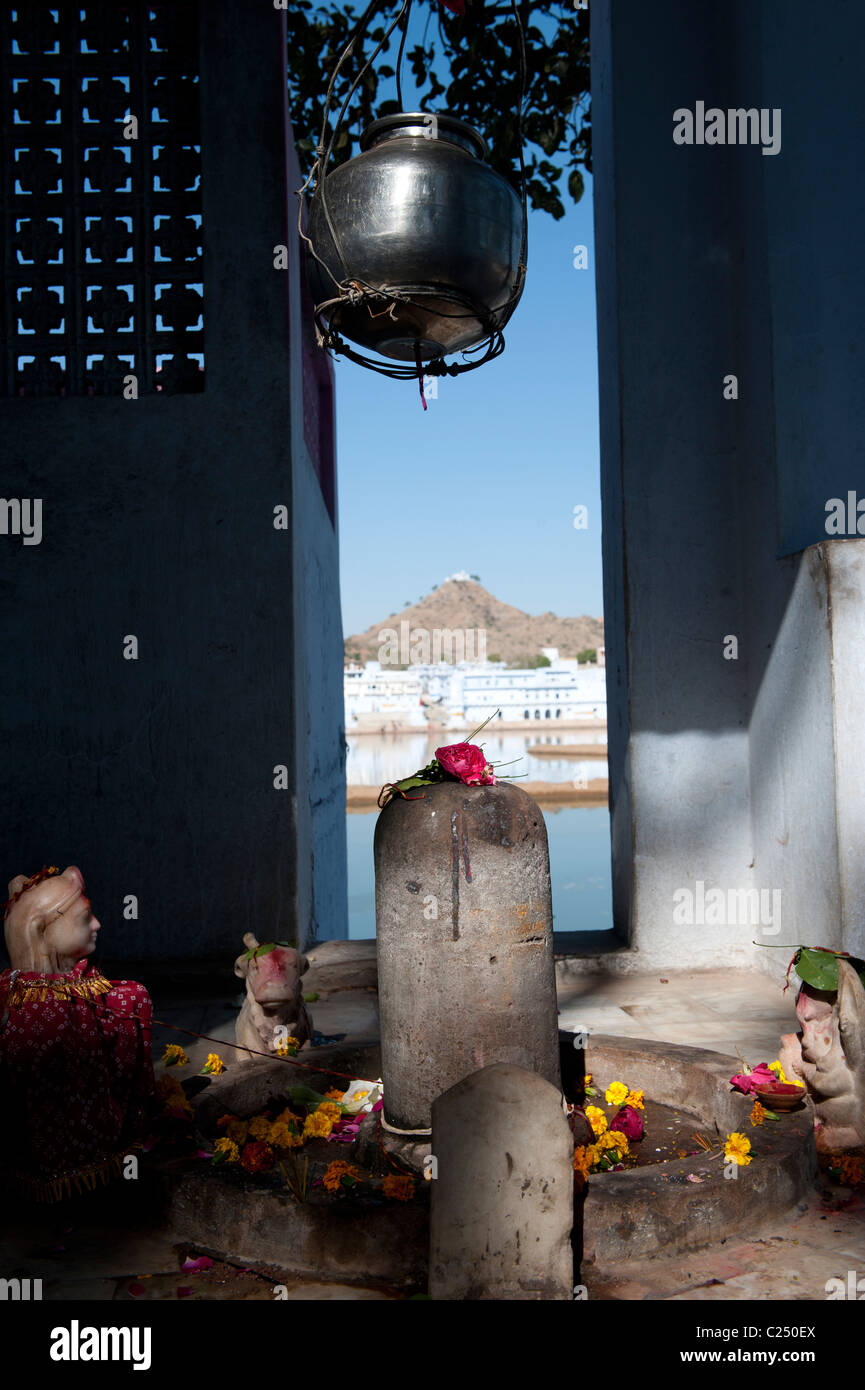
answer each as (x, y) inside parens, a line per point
(467, 763)
(747, 1081)
(629, 1122)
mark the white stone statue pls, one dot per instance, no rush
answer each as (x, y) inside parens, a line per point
(829, 1056)
(273, 1008)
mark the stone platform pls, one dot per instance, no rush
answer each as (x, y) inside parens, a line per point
(104, 1246)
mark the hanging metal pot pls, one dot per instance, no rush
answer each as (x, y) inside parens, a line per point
(427, 237)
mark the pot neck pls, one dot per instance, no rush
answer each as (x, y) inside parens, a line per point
(414, 125)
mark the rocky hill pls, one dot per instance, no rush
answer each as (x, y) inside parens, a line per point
(464, 605)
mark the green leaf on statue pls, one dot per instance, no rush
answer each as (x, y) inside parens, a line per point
(310, 998)
(819, 968)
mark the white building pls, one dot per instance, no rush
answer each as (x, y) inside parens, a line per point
(563, 691)
(469, 692)
(375, 698)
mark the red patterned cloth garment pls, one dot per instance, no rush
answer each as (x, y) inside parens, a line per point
(76, 1078)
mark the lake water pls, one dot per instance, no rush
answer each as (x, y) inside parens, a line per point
(374, 759)
(579, 836)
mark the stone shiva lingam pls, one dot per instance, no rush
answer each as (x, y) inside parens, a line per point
(76, 1074)
(828, 1055)
(464, 929)
(273, 1009)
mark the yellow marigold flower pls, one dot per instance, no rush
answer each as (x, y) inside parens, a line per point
(613, 1139)
(758, 1113)
(283, 1136)
(288, 1047)
(787, 1080)
(259, 1127)
(637, 1099)
(168, 1086)
(229, 1148)
(582, 1161)
(317, 1126)
(336, 1171)
(172, 1095)
(330, 1109)
(593, 1154)
(597, 1119)
(174, 1056)
(616, 1094)
(286, 1116)
(737, 1147)
(333, 1094)
(214, 1064)
(398, 1186)
(587, 1079)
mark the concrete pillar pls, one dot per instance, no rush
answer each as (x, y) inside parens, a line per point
(465, 943)
(502, 1199)
(730, 335)
(200, 774)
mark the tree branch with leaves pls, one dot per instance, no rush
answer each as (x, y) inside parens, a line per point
(467, 65)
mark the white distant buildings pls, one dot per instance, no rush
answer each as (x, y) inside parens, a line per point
(376, 697)
(563, 692)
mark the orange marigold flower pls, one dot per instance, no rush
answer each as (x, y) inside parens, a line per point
(637, 1099)
(398, 1186)
(259, 1127)
(758, 1113)
(334, 1094)
(582, 1161)
(335, 1173)
(330, 1109)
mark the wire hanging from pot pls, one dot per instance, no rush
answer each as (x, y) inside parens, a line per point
(354, 291)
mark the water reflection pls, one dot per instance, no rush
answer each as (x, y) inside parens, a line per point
(579, 838)
(374, 759)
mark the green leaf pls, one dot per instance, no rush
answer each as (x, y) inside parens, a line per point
(304, 1095)
(310, 998)
(819, 968)
(770, 1115)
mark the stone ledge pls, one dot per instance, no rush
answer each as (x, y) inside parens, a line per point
(629, 1215)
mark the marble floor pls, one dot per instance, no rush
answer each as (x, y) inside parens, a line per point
(721, 1010)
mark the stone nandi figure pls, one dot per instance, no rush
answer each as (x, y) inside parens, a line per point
(273, 1007)
(829, 1056)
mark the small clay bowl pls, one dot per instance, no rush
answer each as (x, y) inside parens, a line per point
(779, 1095)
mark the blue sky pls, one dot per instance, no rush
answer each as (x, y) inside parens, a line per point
(487, 479)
